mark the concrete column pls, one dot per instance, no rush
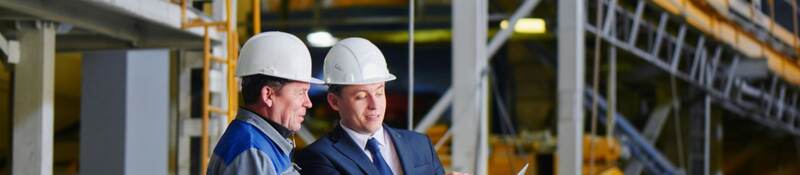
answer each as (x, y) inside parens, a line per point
(125, 112)
(33, 101)
(470, 102)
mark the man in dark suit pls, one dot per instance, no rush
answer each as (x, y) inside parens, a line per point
(356, 72)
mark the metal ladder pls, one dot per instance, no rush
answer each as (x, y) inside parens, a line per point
(229, 60)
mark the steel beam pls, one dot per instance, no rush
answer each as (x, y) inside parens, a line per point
(436, 112)
(494, 45)
(137, 23)
(502, 36)
(469, 51)
(571, 61)
(676, 57)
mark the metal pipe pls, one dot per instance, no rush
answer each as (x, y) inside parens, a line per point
(231, 52)
(205, 107)
(636, 19)
(610, 16)
(659, 34)
(436, 112)
(731, 79)
(443, 139)
(676, 57)
(612, 91)
(500, 37)
(707, 135)
(481, 164)
(411, 65)
(714, 65)
(233, 86)
(256, 16)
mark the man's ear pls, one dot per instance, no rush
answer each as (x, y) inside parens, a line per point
(266, 95)
(333, 101)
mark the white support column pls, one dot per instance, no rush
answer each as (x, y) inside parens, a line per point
(571, 60)
(469, 90)
(33, 101)
(188, 127)
(124, 112)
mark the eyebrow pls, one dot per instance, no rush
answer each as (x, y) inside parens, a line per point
(366, 90)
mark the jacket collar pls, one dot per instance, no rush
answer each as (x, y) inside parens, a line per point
(345, 145)
(361, 139)
(283, 131)
(404, 152)
(286, 145)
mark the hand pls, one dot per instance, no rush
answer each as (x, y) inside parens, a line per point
(457, 173)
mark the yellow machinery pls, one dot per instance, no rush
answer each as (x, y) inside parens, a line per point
(601, 155)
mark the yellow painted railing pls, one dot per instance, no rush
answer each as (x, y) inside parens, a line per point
(230, 60)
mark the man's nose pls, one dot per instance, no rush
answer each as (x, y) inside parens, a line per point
(307, 102)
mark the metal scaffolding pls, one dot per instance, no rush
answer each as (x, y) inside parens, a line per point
(704, 67)
(704, 64)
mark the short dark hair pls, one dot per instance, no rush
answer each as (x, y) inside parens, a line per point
(335, 89)
(252, 84)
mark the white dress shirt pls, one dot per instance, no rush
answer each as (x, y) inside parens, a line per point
(384, 142)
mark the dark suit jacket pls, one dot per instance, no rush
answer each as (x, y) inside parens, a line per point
(337, 153)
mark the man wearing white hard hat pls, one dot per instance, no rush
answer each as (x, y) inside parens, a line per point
(355, 71)
(275, 68)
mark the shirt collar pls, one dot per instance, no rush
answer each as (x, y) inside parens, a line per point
(361, 139)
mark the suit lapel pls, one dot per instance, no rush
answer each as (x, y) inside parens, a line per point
(403, 151)
(345, 145)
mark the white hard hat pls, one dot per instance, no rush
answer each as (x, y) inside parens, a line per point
(276, 54)
(355, 61)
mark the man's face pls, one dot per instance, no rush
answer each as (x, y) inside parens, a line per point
(289, 104)
(361, 107)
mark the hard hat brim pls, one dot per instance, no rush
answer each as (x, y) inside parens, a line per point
(311, 80)
(386, 78)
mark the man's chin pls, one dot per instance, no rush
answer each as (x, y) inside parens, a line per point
(375, 128)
